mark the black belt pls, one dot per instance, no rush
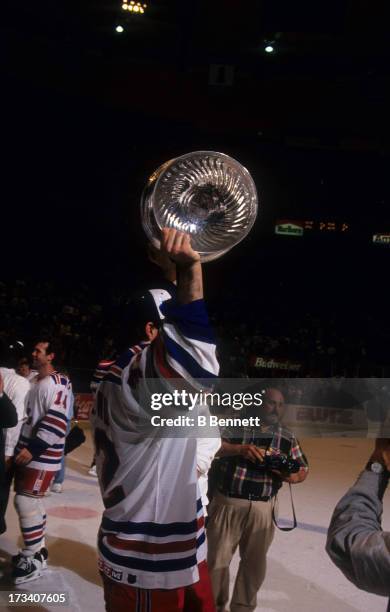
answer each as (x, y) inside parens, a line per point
(248, 496)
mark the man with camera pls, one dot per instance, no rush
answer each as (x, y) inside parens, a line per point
(250, 469)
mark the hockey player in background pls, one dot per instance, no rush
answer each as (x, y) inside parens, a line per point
(37, 458)
(16, 388)
(152, 552)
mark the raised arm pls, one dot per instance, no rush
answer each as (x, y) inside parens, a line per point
(186, 344)
(177, 246)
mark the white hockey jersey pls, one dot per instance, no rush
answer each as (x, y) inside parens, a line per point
(152, 534)
(17, 388)
(43, 433)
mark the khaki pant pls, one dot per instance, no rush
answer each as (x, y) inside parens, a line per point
(248, 525)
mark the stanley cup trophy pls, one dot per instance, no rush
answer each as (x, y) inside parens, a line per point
(206, 194)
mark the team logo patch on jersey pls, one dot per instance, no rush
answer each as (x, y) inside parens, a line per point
(131, 579)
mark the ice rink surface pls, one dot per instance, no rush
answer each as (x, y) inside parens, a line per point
(300, 576)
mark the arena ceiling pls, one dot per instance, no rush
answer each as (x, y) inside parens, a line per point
(204, 62)
(90, 112)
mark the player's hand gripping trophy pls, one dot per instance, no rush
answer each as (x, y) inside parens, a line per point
(206, 194)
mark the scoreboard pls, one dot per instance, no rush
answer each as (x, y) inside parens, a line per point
(290, 227)
(294, 227)
(326, 226)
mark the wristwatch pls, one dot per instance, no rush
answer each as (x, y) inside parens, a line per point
(376, 467)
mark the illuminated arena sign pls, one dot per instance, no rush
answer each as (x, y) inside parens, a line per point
(381, 239)
(289, 228)
(326, 226)
(268, 363)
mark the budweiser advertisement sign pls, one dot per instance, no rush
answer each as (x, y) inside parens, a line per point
(289, 228)
(269, 363)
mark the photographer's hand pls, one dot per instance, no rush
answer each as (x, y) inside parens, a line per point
(247, 451)
(252, 453)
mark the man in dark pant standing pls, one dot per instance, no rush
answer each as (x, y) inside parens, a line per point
(241, 512)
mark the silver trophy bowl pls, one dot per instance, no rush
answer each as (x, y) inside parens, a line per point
(206, 194)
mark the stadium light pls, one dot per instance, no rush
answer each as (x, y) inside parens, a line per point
(119, 29)
(269, 49)
(134, 7)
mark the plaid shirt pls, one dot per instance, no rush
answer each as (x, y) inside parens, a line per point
(236, 476)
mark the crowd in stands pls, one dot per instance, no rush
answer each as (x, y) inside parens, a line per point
(319, 344)
(83, 321)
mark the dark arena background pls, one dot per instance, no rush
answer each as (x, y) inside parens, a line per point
(95, 98)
